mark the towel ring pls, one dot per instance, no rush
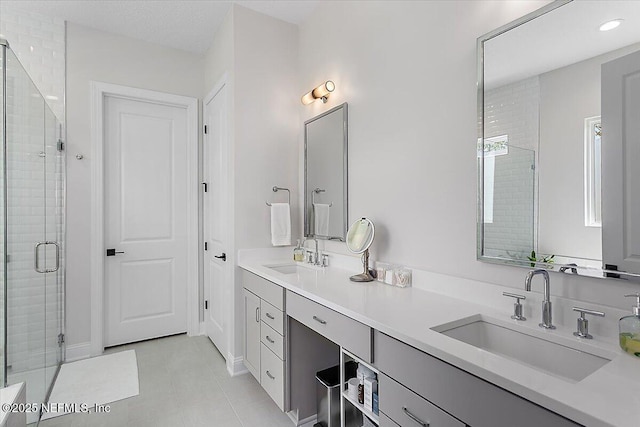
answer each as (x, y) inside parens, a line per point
(313, 196)
(276, 189)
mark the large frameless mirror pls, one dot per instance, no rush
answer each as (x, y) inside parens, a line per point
(325, 175)
(552, 120)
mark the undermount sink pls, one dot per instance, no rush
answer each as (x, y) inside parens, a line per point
(284, 268)
(559, 356)
(292, 268)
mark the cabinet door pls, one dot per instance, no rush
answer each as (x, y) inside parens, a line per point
(252, 333)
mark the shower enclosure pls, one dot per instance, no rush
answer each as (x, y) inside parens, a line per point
(32, 227)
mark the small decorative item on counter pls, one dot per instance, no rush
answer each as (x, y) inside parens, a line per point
(381, 270)
(402, 277)
(376, 404)
(298, 253)
(630, 329)
(389, 276)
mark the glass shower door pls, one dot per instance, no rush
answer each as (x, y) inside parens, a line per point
(32, 308)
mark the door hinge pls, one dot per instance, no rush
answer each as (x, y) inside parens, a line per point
(60, 339)
(206, 304)
(206, 129)
(60, 145)
(206, 246)
(205, 186)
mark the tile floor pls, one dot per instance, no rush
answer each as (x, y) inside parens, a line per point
(184, 383)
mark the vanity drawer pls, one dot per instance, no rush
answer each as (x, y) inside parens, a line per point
(272, 375)
(272, 340)
(268, 291)
(342, 330)
(474, 401)
(272, 316)
(400, 404)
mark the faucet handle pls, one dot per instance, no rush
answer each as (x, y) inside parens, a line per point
(325, 260)
(517, 307)
(583, 323)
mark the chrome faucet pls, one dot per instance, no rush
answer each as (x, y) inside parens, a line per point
(546, 304)
(316, 258)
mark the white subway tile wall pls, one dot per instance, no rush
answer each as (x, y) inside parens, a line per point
(36, 187)
(513, 110)
(39, 43)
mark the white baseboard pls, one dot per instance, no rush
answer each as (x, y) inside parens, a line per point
(235, 365)
(78, 351)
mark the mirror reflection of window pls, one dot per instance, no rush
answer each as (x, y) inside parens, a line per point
(592, 168)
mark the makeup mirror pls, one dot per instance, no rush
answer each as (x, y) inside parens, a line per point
(359, 239)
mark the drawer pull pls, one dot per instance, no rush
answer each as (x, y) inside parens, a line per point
(270, 340)
(270, 316)
(319, 320)
(414, 418)
(273, 378)
(258, 314)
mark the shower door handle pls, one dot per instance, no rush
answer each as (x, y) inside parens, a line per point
(36, 258)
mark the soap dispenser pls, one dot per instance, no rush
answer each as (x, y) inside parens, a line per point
(630, 329)
(298, 253)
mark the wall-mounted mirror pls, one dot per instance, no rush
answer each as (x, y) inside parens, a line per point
(544, 188)
(325, 175)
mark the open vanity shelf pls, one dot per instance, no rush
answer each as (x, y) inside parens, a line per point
(352, 412)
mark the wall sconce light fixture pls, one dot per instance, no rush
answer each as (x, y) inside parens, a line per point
(321, 92)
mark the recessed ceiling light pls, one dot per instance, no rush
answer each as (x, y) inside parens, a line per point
(610, 25)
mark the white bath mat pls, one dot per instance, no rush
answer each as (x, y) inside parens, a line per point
(96, 381)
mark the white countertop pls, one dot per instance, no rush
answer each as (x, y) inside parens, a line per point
(608, 397)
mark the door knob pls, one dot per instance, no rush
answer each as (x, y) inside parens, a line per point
(113, 252)
(222, 257)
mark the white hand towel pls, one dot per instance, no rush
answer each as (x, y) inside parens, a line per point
(321, 219)
(280, 224)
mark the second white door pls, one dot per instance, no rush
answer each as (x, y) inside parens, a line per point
(146, 216)
(215, 228)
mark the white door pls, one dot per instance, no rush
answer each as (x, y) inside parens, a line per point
(620, 160)
(145, 219)
(215, 227)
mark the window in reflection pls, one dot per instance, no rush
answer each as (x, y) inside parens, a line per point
(592, 169)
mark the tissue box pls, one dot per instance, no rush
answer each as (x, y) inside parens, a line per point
(370, 387)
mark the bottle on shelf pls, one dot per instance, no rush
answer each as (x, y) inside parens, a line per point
(361, 389)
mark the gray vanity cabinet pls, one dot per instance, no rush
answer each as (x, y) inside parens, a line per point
(252, 332)
(264, 335)
(340, 329)
(422, 383)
